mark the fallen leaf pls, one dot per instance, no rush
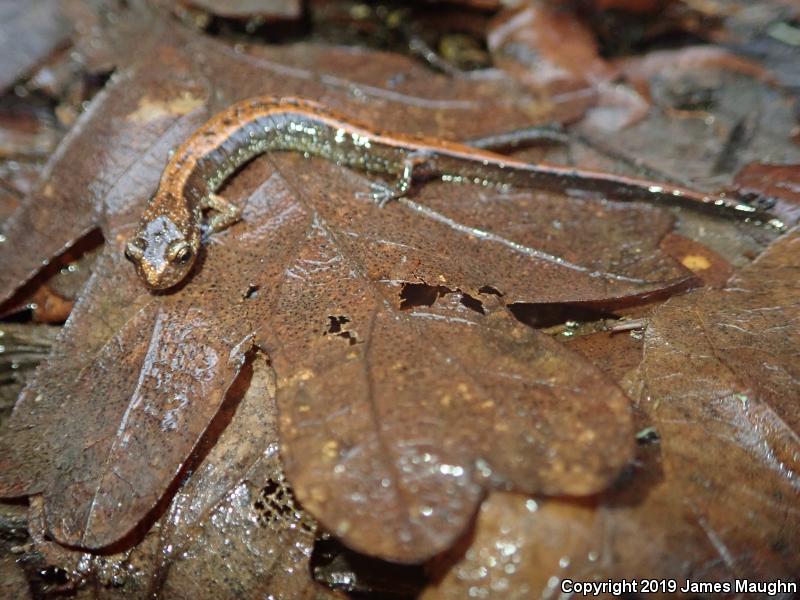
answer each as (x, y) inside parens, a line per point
(527, 42)
(519, 549)
(551, 50)
(232, 526)
(710, 267)
(29, 32)
(147, 372)
(711, 116)
(714, 494)
(661, 63)
(451, 110)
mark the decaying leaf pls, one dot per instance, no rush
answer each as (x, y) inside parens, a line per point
(715, 494)
(29, 32)
(709, 119)
(406, 400)
(708, 265)
(143, 105)
(148, 372)
(527, 41)
(232, 526)
(521, 548)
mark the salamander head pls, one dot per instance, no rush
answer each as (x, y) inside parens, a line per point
(162, 254)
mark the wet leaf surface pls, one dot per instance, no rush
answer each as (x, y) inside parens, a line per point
(706, 264)
(714, 494)
(411, 403)
(152, 370)
(237, 511)
(181, 88)
(233, 526)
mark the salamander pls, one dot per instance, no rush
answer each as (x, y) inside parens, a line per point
(168, 239)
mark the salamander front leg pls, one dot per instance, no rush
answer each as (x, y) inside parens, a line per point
(226, 213)
(413, 166)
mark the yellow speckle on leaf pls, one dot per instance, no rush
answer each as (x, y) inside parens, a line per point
(316, 494)
(343, 527)
(695, 262)
(465, 391)
(330, 449)
(150, 109)
(295, 378)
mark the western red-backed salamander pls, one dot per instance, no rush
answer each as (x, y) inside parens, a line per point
(168, 239)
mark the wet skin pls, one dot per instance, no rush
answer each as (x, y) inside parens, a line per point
(167, 242)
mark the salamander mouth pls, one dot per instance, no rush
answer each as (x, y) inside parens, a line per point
(159, 281)
(162, 285)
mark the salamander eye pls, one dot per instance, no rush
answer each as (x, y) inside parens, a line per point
(180, 253)
(134, 250)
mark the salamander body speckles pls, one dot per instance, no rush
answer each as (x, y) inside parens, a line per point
(167, 242)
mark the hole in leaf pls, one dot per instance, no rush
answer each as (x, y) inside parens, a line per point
(487, 289)
(252, 291)
(336, 327)
(472, 303)
(275, 505)
(421, 294)
(336, 324)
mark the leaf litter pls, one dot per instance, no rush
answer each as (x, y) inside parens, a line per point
(372, 394)
(714, 495)
(235, 510)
